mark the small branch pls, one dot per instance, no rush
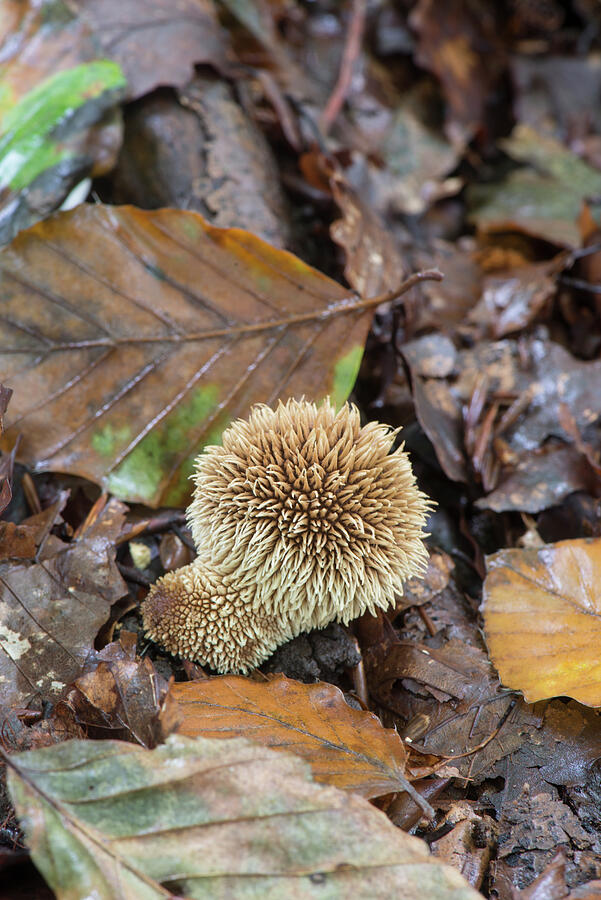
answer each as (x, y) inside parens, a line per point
(416, 278)
(350, 54)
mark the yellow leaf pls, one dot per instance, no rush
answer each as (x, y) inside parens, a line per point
(542, 619)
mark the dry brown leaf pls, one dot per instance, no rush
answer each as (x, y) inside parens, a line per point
(345, 747)
(542, 619)
(451, 700)
(132, 338)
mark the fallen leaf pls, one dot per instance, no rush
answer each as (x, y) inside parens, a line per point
(551, 883)
(460, 43)
(470, 844)
(446, 304)
(156, 42)
(424, 589)
(542, 619)
(7, 461)
(374, 263)
(133, 338)
(203, 818)
(532, 828)
(23, 541)
(564, 750)
(345, 747)
(417, 157)
(543, 198)
(539, 479)
(454, 695)
(553, 91)
(121, 695)
(50, 612)
(512, 300)
(536, 374)
(59, 120)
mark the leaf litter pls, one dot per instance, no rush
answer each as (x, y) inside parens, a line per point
(372, 141)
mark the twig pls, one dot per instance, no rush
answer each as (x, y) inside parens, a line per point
(350, 53)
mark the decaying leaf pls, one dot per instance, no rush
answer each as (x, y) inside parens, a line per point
(435, 579)
(535, 377)
(345, 747)
(23, 541)
(543, 198)
(50, 612)
(156, 42)
(452, 697)
(513, 299)
(122, 695)
(204, 818)
(373, 261)
(59, 121)
(132, 338)
(542, 619)
(460, 43)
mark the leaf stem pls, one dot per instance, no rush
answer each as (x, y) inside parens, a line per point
(336, 309)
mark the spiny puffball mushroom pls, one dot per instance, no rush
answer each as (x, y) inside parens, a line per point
(301, 517)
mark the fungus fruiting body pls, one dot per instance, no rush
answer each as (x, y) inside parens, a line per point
(300, 517)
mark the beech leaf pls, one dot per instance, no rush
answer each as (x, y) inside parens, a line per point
(345, 747)
(542, 619)
(208, 819)
(132, 338)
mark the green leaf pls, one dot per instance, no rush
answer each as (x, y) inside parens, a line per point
(210, 819)
(543, 199)
(28, 145)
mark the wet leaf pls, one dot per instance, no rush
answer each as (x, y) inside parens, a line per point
(133, 338)
(418, 591)
(452, 699)
(50, 612)
(120, 694)
(543, 198)
(156, 42)
(58, 112)
(513, 299)
(345, 747)
(539, 377)
(23, 541)
(417, 155)
(539, 479)
(542, 619)
(202, 818)
(374, 263)
(460, 43)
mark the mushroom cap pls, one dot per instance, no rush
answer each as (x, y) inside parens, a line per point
(310, 513)
(200, 616)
